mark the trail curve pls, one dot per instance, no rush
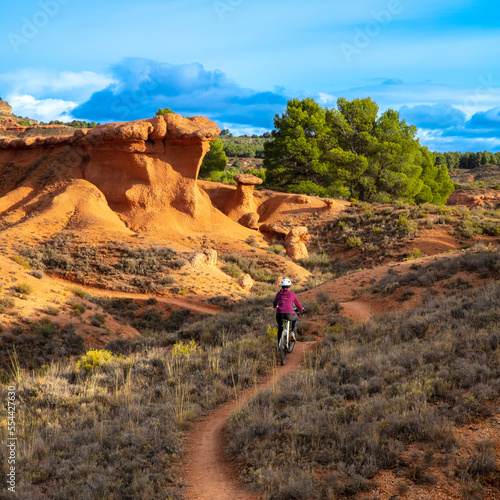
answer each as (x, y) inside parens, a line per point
(206, 473)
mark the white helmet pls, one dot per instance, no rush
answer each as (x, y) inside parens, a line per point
(286, 282)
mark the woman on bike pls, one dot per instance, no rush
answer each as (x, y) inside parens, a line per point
(284, 301)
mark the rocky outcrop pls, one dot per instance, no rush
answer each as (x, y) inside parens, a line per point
(274, 231)
(246, 282)
(295, 243)
(301, 199)
(207, 258)
(144, 168)
(250, 220)
(488, 199)
(242, 201)
(5, 108)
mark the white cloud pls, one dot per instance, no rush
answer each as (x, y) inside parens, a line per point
(43, 109)
(46, 84)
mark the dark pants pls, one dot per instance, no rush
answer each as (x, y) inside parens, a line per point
(289, 316)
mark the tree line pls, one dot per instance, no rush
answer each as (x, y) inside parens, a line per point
(454, 160)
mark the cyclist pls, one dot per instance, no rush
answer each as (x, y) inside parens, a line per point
(284, 301)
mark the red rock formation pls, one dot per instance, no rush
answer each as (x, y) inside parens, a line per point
(295, 243)
(145, 169)
(274, 231)
(242, 201)
(489, 199)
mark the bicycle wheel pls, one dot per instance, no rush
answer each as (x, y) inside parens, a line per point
(283, 347)
(291, 345)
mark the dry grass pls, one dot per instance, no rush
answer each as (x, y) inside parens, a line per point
(368, 394)
(111, 426)
(115, 265)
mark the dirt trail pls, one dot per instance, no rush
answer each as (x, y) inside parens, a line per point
(206, 472)
(187, 304)
(357, 310)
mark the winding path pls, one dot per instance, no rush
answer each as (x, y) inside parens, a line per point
(206, 473)
(104, 292)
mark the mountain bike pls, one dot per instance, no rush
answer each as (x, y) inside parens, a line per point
(286, 344)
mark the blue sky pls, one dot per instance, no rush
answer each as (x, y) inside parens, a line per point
(239, 61)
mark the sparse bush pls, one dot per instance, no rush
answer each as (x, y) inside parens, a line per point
(45, 328)
(79, 292)
(6, 304)
(251, 240)
(51, 310)
(97, 319)
(316, 260)
(24, 288)
(78, 308)
(277, 248)
(354, 242)
(19, 260)
(184, 348)
(415, 253)
(94, 359)
(232, 269)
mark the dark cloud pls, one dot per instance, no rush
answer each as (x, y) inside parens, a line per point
(143, 86)
(436, 117)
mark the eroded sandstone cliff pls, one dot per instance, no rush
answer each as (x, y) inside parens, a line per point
(146, 171)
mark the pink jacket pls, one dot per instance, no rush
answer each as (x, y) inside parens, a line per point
(284, 300)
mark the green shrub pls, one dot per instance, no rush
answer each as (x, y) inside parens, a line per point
(415, 253)
(232, 269)
(354, 241)
(19, 260)
(78, 309)
(46, 328)
(24, 288)
(469, 228)
(79, 292)
(97, 319)
(277, 249)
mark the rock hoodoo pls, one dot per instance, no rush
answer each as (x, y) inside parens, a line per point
(242, 201)
(295, 243)
(146, 169)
